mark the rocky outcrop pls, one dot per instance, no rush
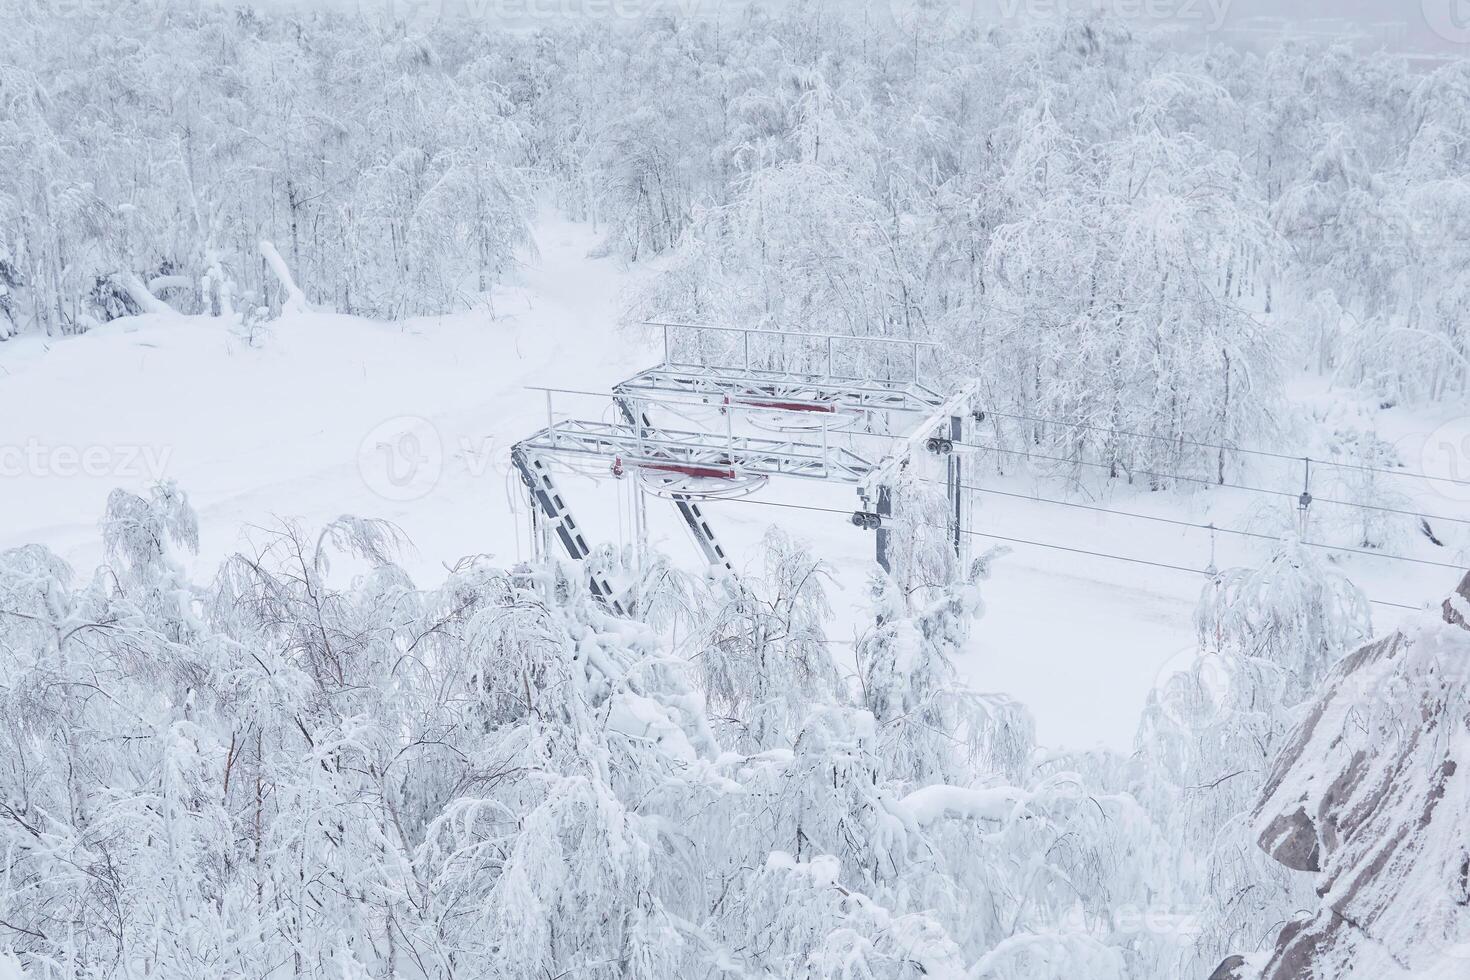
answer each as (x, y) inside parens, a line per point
(1234, 968)
(1372, 793)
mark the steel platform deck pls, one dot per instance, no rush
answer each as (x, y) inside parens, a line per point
(699, 453)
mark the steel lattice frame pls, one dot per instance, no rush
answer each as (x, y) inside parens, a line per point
(638, 442)
(773, 389)
(719, 455)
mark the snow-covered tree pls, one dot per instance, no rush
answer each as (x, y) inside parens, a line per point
(1268, 636)
(312, 763)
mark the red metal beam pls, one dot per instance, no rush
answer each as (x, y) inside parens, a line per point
(790, 406)
(685, 469)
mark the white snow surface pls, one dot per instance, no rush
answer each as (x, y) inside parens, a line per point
(931, 804)
(321, 414)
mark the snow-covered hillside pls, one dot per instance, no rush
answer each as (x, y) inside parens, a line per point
(315, 415)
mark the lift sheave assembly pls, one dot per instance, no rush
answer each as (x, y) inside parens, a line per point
(810, 399)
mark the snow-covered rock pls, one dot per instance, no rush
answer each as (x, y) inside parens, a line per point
(1372, 794)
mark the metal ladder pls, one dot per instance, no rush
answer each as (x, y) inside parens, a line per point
(547, 503)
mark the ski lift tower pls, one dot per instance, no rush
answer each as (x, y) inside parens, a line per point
(798, 390)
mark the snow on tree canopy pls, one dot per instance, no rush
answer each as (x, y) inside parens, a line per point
(312, 762)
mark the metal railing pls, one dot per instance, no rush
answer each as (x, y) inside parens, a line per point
(815, 456)
(755, 388)
(824, 350)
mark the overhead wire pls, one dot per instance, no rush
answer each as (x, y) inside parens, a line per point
(1134, 561)
(1039, 420)
(1259, 535)
(1216, 483)
(1041, 544)
(1066, 423)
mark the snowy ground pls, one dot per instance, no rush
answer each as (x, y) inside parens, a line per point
(325, 414)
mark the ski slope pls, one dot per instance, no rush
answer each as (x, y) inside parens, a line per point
(323, 414)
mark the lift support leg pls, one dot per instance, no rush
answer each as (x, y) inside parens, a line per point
(546, 499)
(954, 494)
(689, 510)
(703, 536)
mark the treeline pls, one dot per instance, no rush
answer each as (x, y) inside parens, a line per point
(1115, 231)
(391, 177)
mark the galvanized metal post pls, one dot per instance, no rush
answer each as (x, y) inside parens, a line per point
(538, 533)
(640, 426)
(640, 541)
(954, 485)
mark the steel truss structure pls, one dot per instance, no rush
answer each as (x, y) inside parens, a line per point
(698, 454)
(751, 388)
(927, 421)
(547, 506)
